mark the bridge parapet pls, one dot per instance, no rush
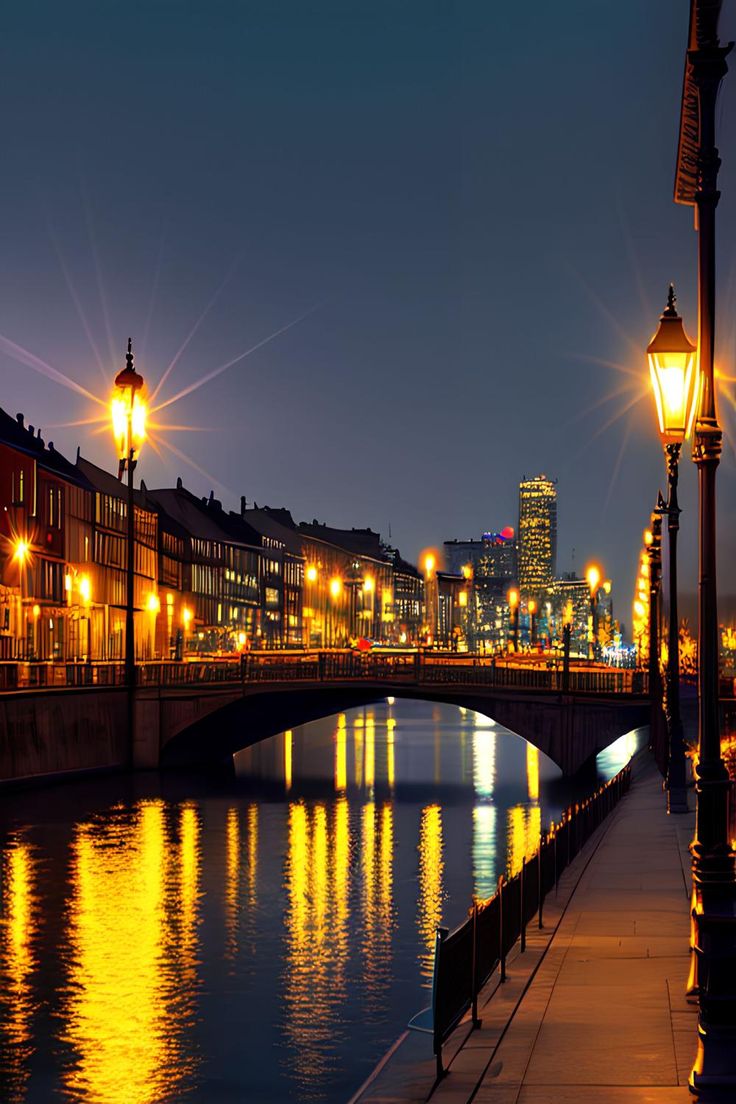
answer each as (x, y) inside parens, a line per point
(321, 667)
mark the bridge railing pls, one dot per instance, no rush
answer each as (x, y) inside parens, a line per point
(407, 668)
(466, 958)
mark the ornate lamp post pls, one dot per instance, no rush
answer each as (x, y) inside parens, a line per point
(673, 371)
(654, 553)
(513, 601)
(593, 579)
(714, 883)
(566, 633)
(129, 428)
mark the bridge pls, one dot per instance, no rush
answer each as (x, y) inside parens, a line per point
(57, 718)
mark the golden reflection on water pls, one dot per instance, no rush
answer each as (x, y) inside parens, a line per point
(524, 823)
(532, 772)
(317, 883)
(341, 755)
(17, 963)
(390, 753)
(128, 1001)
(431, 867)
(370, 752)
(251, 869)
(232, 881)
(288, 741)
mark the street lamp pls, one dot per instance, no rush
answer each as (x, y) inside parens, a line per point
(673, 369)
(593, 579)
(532, 607)
(567, 615)
(128, 410)
(714, 878)
(513, 601)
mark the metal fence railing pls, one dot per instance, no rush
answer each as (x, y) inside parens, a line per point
(410, 669)
(465, 958)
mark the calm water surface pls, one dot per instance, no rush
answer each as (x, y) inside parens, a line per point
(258, 939)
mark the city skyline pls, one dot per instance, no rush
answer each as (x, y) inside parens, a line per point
(408, 298)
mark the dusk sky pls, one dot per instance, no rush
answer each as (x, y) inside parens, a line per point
(461, 211)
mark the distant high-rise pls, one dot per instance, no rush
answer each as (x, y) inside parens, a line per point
(537, 534)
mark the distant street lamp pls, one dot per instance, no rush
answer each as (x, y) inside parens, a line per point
(567, 616)
(128, 410)
(532, 607)
(593, 579)
(673, 370)
(513, 601)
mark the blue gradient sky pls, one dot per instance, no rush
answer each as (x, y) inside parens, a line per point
(473, 201)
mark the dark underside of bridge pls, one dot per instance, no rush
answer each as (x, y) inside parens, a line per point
(570, 729)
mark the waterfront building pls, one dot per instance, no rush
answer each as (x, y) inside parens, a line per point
(105, 589)
(408, 587)
(45, 517)
(452, 602)
(571, 599)
(537, 551)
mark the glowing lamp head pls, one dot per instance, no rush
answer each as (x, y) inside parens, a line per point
(22, 551)
(311, 574)
(36, 611)
(467, 571)
(369, 584)
(335, 587)
(128, 408)
(430, 563)
(513, 598)
(648, 537)
(593, 578)
(673, 370)
(85, 589)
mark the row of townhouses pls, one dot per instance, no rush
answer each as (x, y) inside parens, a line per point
(207, 579)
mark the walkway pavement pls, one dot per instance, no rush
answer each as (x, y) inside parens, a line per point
(594, 1011)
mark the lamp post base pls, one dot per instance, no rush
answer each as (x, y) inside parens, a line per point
(677, 800)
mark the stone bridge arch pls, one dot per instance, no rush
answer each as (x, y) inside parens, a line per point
(179, 728)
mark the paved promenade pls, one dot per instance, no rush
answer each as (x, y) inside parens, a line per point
(594, 1011)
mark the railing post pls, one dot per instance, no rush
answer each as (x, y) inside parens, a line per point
(501, 951)
(522, 895)
(540, 881)
(474, 979)
(440, 936)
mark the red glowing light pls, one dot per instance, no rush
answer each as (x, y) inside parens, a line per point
(508, 533)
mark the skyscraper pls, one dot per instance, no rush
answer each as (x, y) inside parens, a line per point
(537, 548)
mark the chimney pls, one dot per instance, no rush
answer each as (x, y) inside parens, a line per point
(19, 420)
(179, 483)
(243, 505)
(79, 452)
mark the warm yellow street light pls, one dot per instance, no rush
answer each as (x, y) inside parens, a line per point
(429, 563)
(128, 409)
(335, 587)
(369, 584)
(532, 606)
(513, 598)
(467, 571)
(673, 370)
(593, 578)
(311, 574)
(21, 551)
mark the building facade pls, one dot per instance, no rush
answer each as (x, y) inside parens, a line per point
(537, 535)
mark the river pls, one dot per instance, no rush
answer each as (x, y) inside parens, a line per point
(263, 938)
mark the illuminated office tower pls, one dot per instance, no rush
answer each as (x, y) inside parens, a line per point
(537, 538)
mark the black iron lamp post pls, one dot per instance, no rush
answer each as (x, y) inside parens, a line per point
(129, 427)
(513, 601)
(654, 552)
(714, 881)
(673, 371)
